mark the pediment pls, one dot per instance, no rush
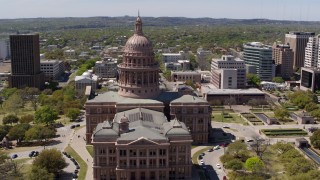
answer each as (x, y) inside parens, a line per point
(143, 141)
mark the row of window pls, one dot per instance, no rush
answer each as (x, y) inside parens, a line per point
(133, 152)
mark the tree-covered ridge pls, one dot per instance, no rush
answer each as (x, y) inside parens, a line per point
(44, 24)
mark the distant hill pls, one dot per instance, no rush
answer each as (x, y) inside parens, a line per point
(49, 24)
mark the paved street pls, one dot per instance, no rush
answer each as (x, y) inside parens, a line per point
(79, 145)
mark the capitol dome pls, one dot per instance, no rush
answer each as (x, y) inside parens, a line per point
(138, 71)
(138, 43)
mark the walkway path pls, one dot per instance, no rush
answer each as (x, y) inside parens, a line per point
(79, 145)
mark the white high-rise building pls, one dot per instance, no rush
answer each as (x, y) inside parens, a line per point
(312, 53)
(228, 73)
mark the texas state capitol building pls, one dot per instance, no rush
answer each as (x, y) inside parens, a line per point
(130, 132)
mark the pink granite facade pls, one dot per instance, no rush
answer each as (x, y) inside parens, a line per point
(139, 72)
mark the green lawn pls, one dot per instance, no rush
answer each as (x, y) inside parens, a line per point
(196, 155)
(233, 118)
(90, 149)
(82, 163)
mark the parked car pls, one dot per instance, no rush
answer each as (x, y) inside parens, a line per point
(14, 156)
(76, 171)
(210, 150)
(77, 125)
(218, 166)
(72, 126)
(227, 127)
(216, 147)
(35, 154)
(31, 153)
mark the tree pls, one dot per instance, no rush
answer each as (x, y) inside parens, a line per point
(290, 155)
(312, 174)
(190, 83)
(253, 79)
(39, 173)
(18, 131)
(167, 75)
(8, 168)
(7, 92)
(39, 133)
(237, 149)
(281, 113)
(302, 98)
(260, 146)
(315, 139)
(73, 113)
(45, 115)
(30, 94)
(10, 119)
(28, 118)
(278, 80)
(54, 164)
(316, 113)
(226, 158)
(234, 164)
(3, 131)
(13, 103)
(254, 164)
(299, 165)
(311, 106)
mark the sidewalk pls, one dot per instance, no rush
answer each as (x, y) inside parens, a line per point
(79, 145)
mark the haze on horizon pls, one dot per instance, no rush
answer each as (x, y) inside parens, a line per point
(298, 10)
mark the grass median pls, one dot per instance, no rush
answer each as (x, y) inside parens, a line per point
(82, 163)
(90, 150)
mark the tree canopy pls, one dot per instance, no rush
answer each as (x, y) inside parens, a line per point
(302, 98)
(315, 139)
(54, 164)
(10, 119)
(46, 115)
(278, 80)
(281, 113)
(18, 131)
(253, 79)
(39, 133)
(254, 164)
(39, 173)
(73, 113)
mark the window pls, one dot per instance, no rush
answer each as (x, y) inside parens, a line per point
(162, 152)
(152, 152)
(102, 151)
(133, 152)
(123, 152)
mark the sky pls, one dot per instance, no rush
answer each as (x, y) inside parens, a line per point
(299, 10)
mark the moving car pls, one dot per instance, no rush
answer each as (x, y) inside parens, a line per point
(218, 166)
(14, 156)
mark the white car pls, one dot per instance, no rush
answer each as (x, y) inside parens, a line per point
(218, 166)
